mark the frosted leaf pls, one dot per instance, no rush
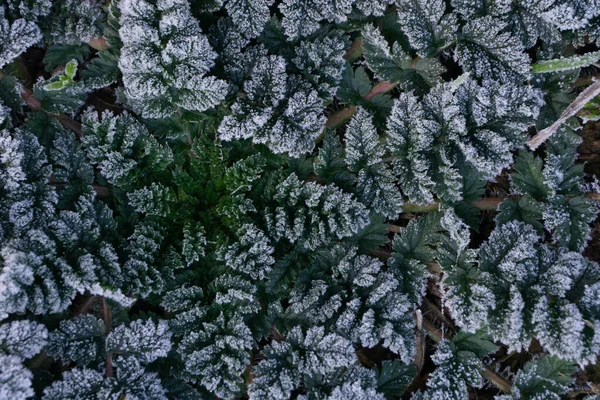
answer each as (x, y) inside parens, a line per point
(216, 353)
(251, 254)
(28, 280)
(136, 383)
(458, 230)
(275, 376)
(470, 310)
(543, 378)
(362, 142)
(327, 213)
(559, 328)
(80, 339)
(140, 270)
(238, 293)
(324, 353)
(426, 26)
(510, 251)
(302, 356)
(455, 372)
(122, 147)
(525, 20)
(360, 270)
(569, 220)
(76, 21)
(358, 383)
(572, 14)
(16, 37)
(279, 111)
(250, 15)
(11, 173)
(511, 329)
(395, 64)
(15, 379)
(144, 341)
(375, 7)
(155, 200)
(407, 142)
(488, 53)
(301, 18)
(80, 383)
(322, 62)
(29, 9)
(194, 242)
(157, 79)
(364, 154)
(23, 338)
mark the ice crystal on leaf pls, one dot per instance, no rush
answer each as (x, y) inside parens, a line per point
(159, 80)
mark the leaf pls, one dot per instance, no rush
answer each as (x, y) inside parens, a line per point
(373, 235)
(528, 177)
(71, 69)
(58, 53)
(488, 52)
(395, 65)
(394, 376)
(569, 221)
(427, 26)
(565, 64)
(526, 209)
(354, 86)
(544, 376)
(55, 85)
(478, 343)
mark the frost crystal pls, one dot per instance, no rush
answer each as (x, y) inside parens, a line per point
(278, 110)
(161, 79)
(325, 213)
(16, 37)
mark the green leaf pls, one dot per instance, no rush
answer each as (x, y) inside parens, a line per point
(58, 53)
(526, 209)
(528, 177)
(394, 376)
(54, 85)
(565, 64)
(395, 65)
(373, 235)
(355, 84)
(544, 376)
(570, 221)
(478, 343)
(71, 69)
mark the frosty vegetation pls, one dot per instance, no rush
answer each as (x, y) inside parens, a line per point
(277, 199)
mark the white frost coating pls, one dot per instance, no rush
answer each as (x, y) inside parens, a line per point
(511, 330)
(11, 157)
(15, 379)
(23, 338)
(559, 328)
(488, 53)
(364, 152)
(16, 37)
(146, 341)
(327, 212)
(302, 17)
(426, 24)
(158, 80)
(362, 141)
(285, 116)
(250, 15)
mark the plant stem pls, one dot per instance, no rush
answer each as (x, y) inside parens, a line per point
(354, 52)
(584, 97)
(105, 309)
